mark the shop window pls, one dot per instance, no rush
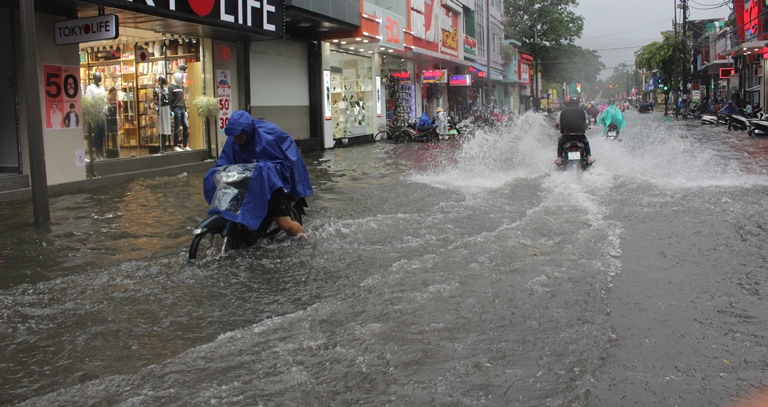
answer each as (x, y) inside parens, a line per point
(352, 90)
(131, 65)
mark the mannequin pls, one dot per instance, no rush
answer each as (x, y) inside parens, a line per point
(179, 110)
(99, 127)
(163, 109)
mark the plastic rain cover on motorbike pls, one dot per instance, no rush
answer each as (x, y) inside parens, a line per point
(276, 162)
(243, 190)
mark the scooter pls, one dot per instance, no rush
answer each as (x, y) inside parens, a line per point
(738, 122)
(715, 119)
(574, 156)
(758, 127)
(216, 235)
(612, 133)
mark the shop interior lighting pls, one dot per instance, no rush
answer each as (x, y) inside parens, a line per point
(358, 39)
(343, 42)
(335, 40)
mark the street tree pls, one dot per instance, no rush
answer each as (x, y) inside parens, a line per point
(548, 28)
(660, 56)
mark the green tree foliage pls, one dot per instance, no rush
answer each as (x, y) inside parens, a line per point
(552, 27)
(660, 56)
(570, 63)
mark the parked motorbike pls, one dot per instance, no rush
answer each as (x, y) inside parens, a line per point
(216, 235)
(758, 127)
(574, 156)
(715, 119)
(424, 133)
(645, 107)
(738, 122)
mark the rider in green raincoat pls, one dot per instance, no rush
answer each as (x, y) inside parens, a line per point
(611, 114)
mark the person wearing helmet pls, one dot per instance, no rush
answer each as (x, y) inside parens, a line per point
(573, 124)
(280, 173)
(611, 115)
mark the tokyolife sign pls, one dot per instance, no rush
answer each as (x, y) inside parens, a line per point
(261, 16)
(86, 29)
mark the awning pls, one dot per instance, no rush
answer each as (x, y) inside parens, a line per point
(754, 89)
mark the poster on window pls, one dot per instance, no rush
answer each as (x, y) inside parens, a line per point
(327, 93)
(224, 94)
(62, 97)
(378, 96)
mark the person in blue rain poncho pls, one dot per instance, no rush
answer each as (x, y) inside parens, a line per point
(425, 123)
(611, 115)
(279, 174)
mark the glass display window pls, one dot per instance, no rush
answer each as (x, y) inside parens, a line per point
(129, 67)
(352, 95)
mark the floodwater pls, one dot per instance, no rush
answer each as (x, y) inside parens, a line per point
(466, 273)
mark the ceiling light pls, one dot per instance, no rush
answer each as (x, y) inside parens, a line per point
(343, 42)
(358, 39)
(352, 47)
(335, 40)
(365, 40)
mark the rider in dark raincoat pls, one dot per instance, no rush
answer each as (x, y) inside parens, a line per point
(279, 173)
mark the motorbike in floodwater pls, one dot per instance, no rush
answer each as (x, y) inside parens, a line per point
(717, 119)
(758, 127)
(613, 132)
(217, 235)
(574, 156)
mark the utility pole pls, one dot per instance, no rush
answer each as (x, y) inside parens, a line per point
(487, 53)
(686, 54)
(37, 171)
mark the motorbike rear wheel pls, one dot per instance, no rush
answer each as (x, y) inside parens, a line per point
(207, 244)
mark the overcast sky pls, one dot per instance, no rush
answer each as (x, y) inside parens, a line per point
(618, 28)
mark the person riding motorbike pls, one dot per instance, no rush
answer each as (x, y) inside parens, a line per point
(280, 174)
(611, 115)
(573, 123)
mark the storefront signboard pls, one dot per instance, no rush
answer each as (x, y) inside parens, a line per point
(525, 73)
(434, 76)
(435, 28)
(86, 29)
(256, 16)
(391, 30)
(224, 93)
(470, 45)
(460, 80)
(62, 97)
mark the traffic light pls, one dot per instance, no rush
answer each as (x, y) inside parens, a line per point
(578, 87)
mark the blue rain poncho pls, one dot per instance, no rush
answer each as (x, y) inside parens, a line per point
(611, 114)
(278, 164)
(424, 121)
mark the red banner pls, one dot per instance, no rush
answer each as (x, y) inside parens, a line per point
(62, 97)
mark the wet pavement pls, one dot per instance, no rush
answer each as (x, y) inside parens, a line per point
(463, 273)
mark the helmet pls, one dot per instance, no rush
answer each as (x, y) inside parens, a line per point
(572, 100)
(612, 102)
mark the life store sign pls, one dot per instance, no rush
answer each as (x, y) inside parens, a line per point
(86, 29)
(257, 16)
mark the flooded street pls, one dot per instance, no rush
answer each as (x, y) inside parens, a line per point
(462, 273)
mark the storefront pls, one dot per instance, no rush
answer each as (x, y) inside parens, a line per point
(130, 70)
(398, 79)
(353, 94)
(127, 46)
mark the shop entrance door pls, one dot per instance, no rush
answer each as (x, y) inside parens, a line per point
(10, 161)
